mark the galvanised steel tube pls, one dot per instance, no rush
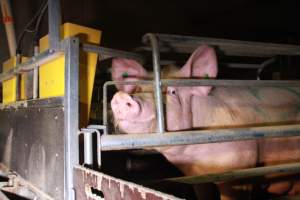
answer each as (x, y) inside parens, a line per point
(31, 64)
(135, 141)
(238, 174)
(157, 83)
(211, 82)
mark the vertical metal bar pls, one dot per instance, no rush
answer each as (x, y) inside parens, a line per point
(71, 102)
(18, 81)
(3, 196)
(54, 20)
(88, 148)
(157, 83)
(104, 101)
(35, 76)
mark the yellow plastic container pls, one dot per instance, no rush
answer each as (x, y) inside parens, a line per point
(51, 75)
(9, 90)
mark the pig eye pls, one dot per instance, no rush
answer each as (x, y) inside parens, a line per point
(172, 92)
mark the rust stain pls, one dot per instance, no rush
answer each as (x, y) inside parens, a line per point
(92, 185)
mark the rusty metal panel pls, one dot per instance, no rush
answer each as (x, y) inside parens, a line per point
(32, 143)
(91, 185)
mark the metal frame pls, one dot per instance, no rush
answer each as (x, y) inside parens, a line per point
(187, 44)
(134, 141)
(70, 48)
(71, 102)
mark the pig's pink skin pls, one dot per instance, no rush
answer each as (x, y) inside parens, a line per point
(127, 70)
(207, 108)
(133, 114)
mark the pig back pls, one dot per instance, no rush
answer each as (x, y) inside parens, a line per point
(246, 106)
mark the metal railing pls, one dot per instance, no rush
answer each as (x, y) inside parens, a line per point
(135, 141)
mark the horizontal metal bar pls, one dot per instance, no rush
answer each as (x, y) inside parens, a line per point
(136, 141)
(242, 65)
(106, 53)
(238, 174)
(30, 64)
(34, 103)
(210, 82)
(187, 44)
(218, 82)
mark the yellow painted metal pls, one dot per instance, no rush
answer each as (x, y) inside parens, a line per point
(51, 75)
(9, 90)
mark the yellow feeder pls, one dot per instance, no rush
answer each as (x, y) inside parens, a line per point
(52, 74)
(9, 90)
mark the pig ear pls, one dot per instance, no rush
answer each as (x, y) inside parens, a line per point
(201, 64)
(124, 69)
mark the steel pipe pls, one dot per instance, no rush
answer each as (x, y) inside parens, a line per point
(32, 63)
(136, 141)
(54, 18)
(187, 44)
(106, 53)
(238, 174)
(157, 83)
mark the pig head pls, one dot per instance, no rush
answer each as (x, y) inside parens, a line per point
(135, 112)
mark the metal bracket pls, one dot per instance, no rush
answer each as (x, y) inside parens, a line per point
(88, 143)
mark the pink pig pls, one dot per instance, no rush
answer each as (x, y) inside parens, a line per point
(204, 107)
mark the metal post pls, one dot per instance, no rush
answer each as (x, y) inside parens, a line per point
(157, 83)
(71, 102)
(35, 87)
(54, 20)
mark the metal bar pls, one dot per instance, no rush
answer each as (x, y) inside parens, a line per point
(88, 144)
(135, 141)
(263, 66)
(235, 83)
(35, 87)
(211, 82)
(242, 65)
(157, 84)
(3, 196)
(37, 103)
(106, 53)
(54, 20)
(31, 64)
(71, 102)
(238, 174)
(187, 44)
(88, 148)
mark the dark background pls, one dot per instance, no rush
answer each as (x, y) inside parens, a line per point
(124, 22)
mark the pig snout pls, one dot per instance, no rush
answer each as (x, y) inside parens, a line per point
(125, 106)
